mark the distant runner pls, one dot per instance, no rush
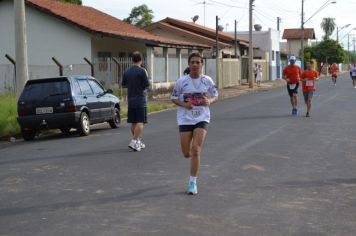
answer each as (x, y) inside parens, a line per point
(308, 78)
(334, 69)
(291, 74)
(193, 94)
(353, 74)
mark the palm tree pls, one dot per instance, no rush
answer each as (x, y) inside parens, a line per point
(328, 26)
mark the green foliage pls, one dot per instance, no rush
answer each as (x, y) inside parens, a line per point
(327, 51)
(78, 2)
(328, 26)
(140, 16)
(8, 114)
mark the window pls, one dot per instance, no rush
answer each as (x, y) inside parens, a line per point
(46, 89)
(273, 56)
(76, 88)
(96, 87)
(85, 87)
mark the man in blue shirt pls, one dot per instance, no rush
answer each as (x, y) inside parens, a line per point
(137, 82)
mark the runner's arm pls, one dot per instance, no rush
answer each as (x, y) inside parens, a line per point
(186, 105)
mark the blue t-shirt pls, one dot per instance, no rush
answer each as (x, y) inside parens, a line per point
(136, 81)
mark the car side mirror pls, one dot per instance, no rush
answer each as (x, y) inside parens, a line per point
(109, 91)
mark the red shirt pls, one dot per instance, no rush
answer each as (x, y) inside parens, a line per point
(309, 85)
(293, 73)
(334, 69)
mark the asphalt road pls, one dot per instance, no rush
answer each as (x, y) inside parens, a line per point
(263, 172)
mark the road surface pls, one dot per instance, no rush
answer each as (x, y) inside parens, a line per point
(263, 172)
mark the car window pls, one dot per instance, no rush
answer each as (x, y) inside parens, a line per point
(76, 88)
(85, 87)
(96, 87)
(44, 89)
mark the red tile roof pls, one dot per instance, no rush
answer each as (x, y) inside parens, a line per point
(297, 33)
(97, 22)
(188, 35)
(203, 31)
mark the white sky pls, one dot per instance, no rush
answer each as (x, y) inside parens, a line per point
(266, 12)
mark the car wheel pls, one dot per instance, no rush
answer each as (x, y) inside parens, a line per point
(116, 119)
(65, 130)
(84, 125)
(28, 134)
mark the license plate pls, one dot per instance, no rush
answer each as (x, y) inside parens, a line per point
(44, 110)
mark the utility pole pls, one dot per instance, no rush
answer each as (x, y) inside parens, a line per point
(235, 39)
(302, 41)
(278, 22)
(218, 83)
(250, 50)
(21, 46)
(354, 41)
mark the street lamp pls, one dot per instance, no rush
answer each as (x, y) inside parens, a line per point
(328, 2)
(339, 29)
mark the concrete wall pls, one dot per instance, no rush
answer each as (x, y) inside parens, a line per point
(47, 37)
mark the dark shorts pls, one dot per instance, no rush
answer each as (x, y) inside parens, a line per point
(291, 91)
(353, 77)
(137, 115)
(307, 95)
(190, 128)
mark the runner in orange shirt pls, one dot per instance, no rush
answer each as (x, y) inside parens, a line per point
(308, 78)
(291, 74)
(333, 70)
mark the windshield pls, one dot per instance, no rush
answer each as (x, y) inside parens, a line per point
(44, 89)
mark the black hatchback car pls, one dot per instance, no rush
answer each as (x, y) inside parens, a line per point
(64, 103)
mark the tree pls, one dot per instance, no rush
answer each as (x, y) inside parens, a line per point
(140, 16)
(328, 26)
(327, 50)
(78, 2)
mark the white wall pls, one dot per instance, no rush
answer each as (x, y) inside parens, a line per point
(47, 37)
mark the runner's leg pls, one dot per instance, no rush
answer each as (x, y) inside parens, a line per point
(186, 143)
(199, 135)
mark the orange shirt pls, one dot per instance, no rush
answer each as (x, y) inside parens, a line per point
(293, 73)
(334, 69)
(310, 75)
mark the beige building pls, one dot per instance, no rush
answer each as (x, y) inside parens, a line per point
(294, 36)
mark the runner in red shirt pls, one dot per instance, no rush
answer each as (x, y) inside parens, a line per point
(333, 70)
(308, 78)
(291, 74)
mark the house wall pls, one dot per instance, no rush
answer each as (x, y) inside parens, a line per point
(47, 37)
(293, 46)
(115, 46)
(267, 44)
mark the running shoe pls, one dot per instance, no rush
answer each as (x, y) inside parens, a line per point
(142, 145)
(135, 145)
(293, 111)
(307, 115)
(192, 188)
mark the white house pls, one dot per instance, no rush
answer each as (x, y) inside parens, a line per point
(266, 46)
(70, 33)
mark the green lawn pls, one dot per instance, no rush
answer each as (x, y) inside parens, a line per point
(8, 114)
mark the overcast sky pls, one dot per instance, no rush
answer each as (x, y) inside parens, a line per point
(265, 13)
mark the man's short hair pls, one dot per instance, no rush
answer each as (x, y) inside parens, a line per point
(195, 54)
(136, 56)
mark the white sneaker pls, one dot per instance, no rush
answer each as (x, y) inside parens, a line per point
(135, 145)
(142, 145)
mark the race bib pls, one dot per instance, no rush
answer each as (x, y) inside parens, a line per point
(195, 113)
(310, 83)
(292, 86)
